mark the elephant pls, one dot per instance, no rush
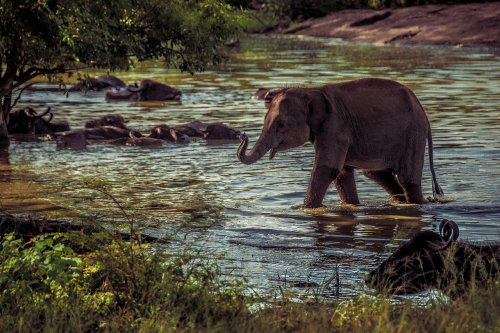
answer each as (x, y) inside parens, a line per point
(431, 260)
(28, 121)
(107, 120)
(372, 124)
(169, 134)
(148, 90)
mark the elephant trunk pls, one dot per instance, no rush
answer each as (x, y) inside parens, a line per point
(259, 149)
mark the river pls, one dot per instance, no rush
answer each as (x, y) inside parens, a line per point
(248, 216)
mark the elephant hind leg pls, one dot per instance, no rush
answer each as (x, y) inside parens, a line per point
(346, 186)
(388, 181)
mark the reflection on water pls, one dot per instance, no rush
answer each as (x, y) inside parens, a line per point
(248, 214)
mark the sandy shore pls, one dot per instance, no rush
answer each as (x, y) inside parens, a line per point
(468, 25)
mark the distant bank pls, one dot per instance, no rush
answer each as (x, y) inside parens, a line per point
(467, 25)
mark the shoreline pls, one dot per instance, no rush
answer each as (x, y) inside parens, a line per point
(462, 25)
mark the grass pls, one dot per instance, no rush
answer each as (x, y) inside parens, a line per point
(73, 282)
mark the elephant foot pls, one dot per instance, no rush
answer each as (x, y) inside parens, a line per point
(400, 198)
(413, 193)
(312, 205)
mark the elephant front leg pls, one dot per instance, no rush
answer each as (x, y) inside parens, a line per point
(321, 178)
(346, 186)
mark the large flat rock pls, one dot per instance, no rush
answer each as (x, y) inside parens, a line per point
(469, 25)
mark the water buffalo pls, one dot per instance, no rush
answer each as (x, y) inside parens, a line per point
(28, 121)
(169, 134)
(79, 138)
(91, 83)
(219, 131)
(99, 83)
(107, 120)
(71, 140)
(148, 90)
(134, 141)
(207, 131)
(431, 260)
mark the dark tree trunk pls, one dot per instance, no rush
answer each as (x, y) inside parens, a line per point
(6, 100)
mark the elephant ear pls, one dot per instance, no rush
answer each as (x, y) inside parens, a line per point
(319, 107)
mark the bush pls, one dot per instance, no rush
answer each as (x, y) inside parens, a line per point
(46, 286)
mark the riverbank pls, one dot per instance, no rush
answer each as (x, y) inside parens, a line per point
(49, 284)
(464, 25)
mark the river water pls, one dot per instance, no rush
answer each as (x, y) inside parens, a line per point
(247, 216)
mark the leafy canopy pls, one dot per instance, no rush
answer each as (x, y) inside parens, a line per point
(50, 36)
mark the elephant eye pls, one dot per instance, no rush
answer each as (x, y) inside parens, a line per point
(281, 124)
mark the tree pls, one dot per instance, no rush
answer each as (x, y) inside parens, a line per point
(48, 37)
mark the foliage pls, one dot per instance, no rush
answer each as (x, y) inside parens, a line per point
(45, 285)
(54, 36)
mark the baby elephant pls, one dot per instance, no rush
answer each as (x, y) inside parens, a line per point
(375, 125)
(431, 260)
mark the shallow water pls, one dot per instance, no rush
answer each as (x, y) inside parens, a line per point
(247, 216)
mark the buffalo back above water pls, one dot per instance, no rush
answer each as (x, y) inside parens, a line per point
(430, 261)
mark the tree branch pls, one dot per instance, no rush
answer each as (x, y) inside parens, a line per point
(19, 95)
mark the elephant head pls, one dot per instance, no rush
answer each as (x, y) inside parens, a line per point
(293, 118)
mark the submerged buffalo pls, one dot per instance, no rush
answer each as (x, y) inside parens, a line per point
(164, 132)
(219, 131)
(28, 121)
(107, 120)
(431, 260)
(92, 83)
(137, 141)
(207, 131)
(99, 83)
(79, 138)
(148, 90)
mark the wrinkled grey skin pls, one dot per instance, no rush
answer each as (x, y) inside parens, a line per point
(107, 120)
(375, 125)
(148, 90)
(431, 260)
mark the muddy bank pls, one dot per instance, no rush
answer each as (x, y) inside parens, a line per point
(468, 25)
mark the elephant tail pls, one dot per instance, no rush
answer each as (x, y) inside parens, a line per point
(437, 191)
